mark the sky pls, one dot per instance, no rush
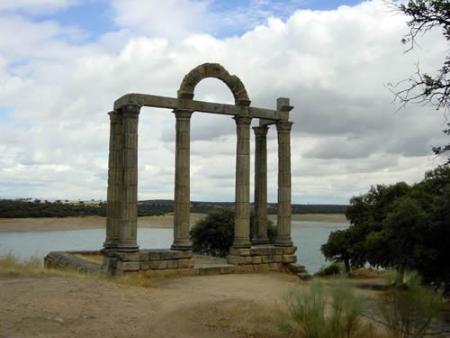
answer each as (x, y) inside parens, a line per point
(64, 62)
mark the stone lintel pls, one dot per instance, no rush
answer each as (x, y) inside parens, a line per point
(144, 100)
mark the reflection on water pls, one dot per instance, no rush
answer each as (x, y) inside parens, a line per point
(307, 236)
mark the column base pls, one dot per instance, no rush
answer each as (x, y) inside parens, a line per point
(184, 246)
(283, 242)
(241, 243)
(128, 248)
(260, 241)
(109, 245)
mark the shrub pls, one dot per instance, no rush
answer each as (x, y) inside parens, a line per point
(313, 313)
(409, 310)
(214, 234)
(330, 270)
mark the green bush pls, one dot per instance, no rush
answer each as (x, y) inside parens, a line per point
(214, 234)
(409, 310)
(332, 269)
(314, 313)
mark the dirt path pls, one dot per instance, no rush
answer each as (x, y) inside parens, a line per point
(201, 306)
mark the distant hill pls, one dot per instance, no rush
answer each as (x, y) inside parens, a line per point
(37, 208)
(201, 206)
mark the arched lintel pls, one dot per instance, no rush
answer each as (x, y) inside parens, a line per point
(214, 70)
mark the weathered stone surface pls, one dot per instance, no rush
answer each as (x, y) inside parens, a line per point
(62, 259)
(256, 259)
(128, 266)
(123, 179)
(289, 259)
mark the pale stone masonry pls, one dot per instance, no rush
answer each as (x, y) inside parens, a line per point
(242, 190)
(120, 249)
(181, 240)
(260, 220)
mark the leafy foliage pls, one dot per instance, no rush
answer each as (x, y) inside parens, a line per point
(400, 226)
(311, 314)
(214, 234)
(409, 311)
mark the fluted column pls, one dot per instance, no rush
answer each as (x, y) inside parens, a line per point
(284, 184)
(260, 219)
(242, 192)
(128, 226)
(113, 217)
(181, 238)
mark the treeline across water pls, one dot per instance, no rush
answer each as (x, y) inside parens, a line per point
(10, 208)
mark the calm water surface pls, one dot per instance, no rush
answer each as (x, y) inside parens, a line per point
(307, 236)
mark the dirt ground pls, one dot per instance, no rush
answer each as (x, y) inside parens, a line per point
(97, 222)
(238, 305)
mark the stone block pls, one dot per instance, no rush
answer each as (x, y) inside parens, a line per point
(275, 266)
(183, 254)
(263, 267)
(239, 252)
(266, 259)
(168, 254)
(185, 263)
(129, 256)
(235, 260)
(128, 266)
(144, 266)
(172, 264)
(263, 250)
(289, 258)
(290, 250)
(276, 259)
(256, 259)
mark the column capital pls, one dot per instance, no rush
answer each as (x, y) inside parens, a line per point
(284, 126)
(261, 130)
(182, 114)
(130, 110)
(114, 115)
(242, 120)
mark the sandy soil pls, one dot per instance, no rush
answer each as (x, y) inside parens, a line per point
(202, 306)
(76, 223)
(93, 222)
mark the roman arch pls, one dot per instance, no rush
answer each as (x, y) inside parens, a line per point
(120, 249)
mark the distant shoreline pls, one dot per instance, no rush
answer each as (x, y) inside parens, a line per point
(98, 222)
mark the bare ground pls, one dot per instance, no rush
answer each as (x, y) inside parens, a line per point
(238, 305)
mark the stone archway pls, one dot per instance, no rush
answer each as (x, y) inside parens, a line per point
(121, 252)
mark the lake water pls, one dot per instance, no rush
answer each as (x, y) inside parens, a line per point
(307, 236)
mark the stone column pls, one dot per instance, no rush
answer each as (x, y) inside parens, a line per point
(284, 184)
(260, 219)
(181, 238)
(128, 226)
(242, 192)
(113, 217)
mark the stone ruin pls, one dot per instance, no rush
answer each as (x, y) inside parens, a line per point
(120, 251)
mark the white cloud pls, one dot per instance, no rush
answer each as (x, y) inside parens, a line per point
(168, 18)
(332, 64)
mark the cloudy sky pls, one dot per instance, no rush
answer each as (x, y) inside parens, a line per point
(64, 62)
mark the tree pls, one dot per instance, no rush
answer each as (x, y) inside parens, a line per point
(214, 234)
(338, 247)
(422, 87)
(400, 227)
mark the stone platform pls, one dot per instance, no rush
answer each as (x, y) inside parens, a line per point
(166, 262)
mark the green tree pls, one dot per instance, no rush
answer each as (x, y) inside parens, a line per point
(400, 227)
(338, 247)
(214, 234)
